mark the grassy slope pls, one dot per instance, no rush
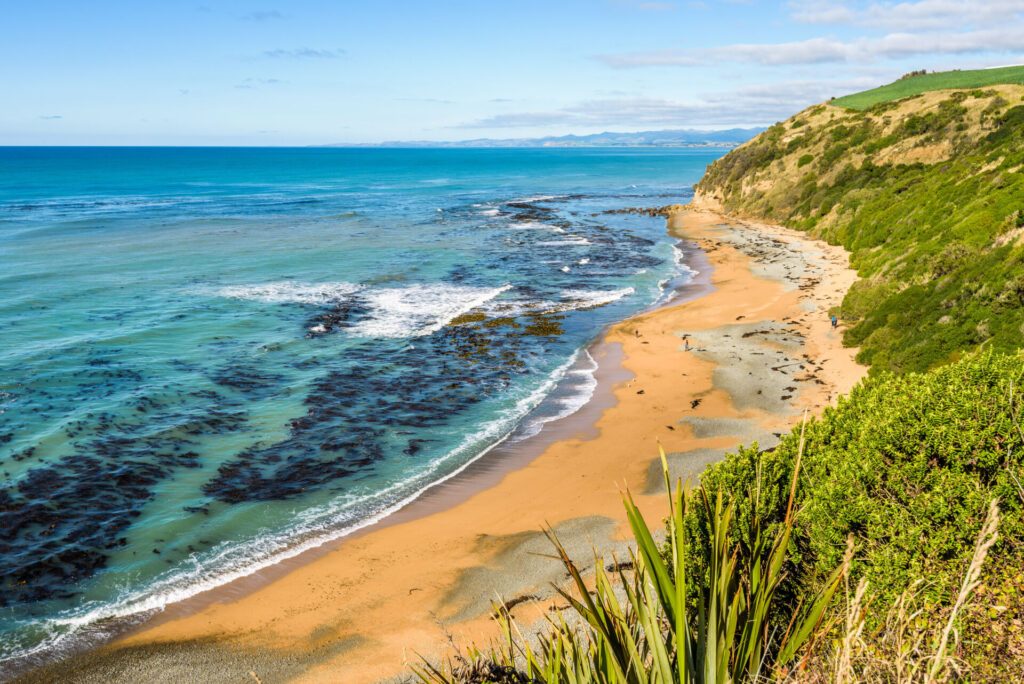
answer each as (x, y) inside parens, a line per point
(916, 85)
(928, 196)
(927, 193)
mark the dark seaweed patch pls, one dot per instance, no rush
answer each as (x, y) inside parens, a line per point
(63, 518)
(255, 382)
(60, 521)
(339, 437)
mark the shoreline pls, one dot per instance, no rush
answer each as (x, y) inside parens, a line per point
(480, 473)
(341, 607)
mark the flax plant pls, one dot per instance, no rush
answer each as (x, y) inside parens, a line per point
(644, 626)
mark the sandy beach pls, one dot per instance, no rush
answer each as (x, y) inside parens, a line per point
(738, 364)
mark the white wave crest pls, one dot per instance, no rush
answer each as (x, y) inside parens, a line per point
(572, 242)
(291, 292)
(419, 309)
(581, 380)
(571, 300)
(591, 299)
(537, 198)
(532, 225)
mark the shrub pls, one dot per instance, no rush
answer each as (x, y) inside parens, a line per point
(673, 625)
(904, 464)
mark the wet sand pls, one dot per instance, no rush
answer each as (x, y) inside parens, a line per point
(738, 364)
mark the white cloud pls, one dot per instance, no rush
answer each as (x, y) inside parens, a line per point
(305, 53)
(1006, 40)
(755, 105)
(906, 16)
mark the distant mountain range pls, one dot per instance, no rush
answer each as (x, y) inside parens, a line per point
(669, 138)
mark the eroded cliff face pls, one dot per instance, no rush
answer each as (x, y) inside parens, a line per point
(927, 193)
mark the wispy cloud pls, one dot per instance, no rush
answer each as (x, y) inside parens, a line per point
(305, 53)
(911, 28)
(263, 15)
(745, 106)
(50, 117)
(1005, 40)
(910, 15)
(250, 83)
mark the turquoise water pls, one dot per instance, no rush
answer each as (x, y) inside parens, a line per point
(215, 358)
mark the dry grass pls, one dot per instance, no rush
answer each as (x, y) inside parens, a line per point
(910, 645)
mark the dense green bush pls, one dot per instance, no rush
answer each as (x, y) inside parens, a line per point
(906, 465)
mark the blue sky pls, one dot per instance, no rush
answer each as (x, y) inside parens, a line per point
(303, 72)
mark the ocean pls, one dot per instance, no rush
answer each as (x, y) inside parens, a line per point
(214, 359)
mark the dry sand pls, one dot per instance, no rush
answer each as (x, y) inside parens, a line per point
(737, 365)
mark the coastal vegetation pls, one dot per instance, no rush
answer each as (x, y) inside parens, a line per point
(879, 542)
(667, 625)
(925, 193)
(883, 540)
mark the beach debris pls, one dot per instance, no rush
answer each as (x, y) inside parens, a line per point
(695, 403)
(619, 566)
(507, 606)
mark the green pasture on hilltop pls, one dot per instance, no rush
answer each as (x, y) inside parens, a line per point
(943, 80)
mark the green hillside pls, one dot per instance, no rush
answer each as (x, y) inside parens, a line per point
(910, 490)
(928, 196)
(923, 83)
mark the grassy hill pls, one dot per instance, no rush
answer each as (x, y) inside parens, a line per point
(886, 491)
(918, 84)
(927, 194)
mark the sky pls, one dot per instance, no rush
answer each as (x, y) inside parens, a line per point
(307, 72)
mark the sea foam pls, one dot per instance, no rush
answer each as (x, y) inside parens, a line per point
(292, 292)
(419, 309)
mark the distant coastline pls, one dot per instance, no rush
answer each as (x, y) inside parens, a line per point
(685, 138)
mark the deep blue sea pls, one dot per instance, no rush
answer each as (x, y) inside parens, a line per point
(213, 359)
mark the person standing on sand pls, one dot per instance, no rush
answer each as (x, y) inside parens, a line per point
(835, 322)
